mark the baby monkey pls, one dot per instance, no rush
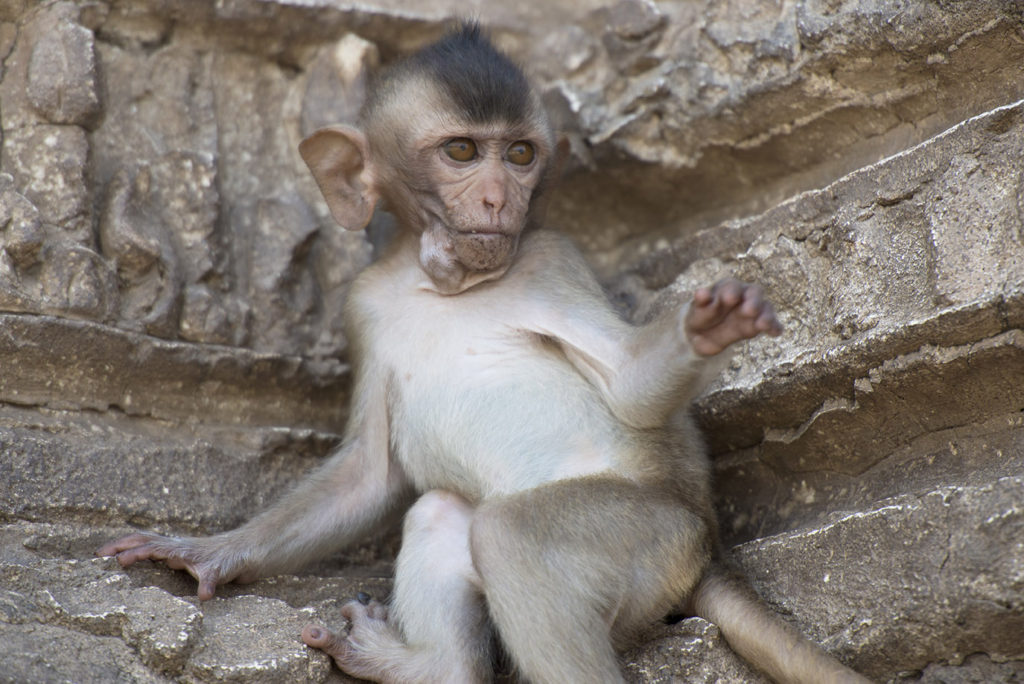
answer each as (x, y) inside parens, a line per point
(562, 497)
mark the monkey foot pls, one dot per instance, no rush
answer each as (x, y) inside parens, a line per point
(365, 648)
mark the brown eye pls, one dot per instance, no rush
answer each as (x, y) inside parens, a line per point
(460, 149)
(520, 153)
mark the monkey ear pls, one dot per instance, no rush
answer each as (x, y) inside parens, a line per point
(339, 157)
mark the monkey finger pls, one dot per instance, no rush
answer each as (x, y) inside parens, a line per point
(729, 292)
(704, 316)
(207, 587)
(137, 553)
(703, 296)
(735, 330)
(749, 329)
(123, 544)
(356, 610)
(768, 323)
(704, 346)
(176, 563)
(353, 610)
(753, 302)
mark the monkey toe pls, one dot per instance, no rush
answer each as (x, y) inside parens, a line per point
(377, 610)
(360, 649)
(364, 607)
(316, 636)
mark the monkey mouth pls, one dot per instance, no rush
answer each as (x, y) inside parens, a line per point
(482, 231)
(483, 249)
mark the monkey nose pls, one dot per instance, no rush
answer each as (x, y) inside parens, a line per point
(492, 193)
(493, 215)
(494, 202)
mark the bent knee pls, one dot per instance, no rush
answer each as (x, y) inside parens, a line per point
(439, 511)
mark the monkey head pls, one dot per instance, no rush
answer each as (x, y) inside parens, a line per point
(457, 145)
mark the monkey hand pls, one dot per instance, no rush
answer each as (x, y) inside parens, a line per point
(206, 559)
(727, 312)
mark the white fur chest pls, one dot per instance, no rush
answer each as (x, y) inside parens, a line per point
(481, 401)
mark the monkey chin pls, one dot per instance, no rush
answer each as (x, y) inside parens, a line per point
(483, 251)
(457, 260)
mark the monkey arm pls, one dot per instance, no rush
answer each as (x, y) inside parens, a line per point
(657, 370)
(644, 372)
(334, 506)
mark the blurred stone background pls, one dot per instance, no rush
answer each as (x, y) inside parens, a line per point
(171, 354)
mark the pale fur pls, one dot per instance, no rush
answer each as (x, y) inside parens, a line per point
(539, 349)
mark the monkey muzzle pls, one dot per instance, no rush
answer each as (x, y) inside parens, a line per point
(484, 250)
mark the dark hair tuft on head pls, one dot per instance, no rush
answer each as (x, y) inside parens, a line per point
(484, 85)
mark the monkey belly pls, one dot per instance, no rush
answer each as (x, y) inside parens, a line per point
(490, 438)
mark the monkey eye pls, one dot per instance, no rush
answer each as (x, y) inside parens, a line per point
(460, 149)
(520, 153)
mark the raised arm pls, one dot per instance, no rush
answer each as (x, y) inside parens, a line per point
(335, 505)
(644, 372)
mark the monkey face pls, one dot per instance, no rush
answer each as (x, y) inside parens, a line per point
(484, 185)
(460, 172)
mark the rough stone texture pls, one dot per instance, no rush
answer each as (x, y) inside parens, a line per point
(692, 650)
(949, 562)
(171, 288)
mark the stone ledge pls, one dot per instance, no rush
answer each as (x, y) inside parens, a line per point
(68, 364)
(111, 470)
(789, 393)
(935, 417)
(911, 580)
(921, 249)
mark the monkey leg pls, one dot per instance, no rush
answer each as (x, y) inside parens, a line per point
(436, 629)
(437, 599)
(573, 570)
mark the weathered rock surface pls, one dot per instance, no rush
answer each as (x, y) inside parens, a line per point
(171, 354)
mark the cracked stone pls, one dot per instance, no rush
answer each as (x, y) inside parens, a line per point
(49, 165)
(82, 597)
(961, 538)
(62, 80)
(23, 234)
(69, 656)
(255, 639)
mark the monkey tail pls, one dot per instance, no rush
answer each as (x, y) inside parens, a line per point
(760, 636)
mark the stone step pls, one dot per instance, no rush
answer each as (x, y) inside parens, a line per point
(113, 469)
(60, 363)
(855, 584)
(146, 625)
